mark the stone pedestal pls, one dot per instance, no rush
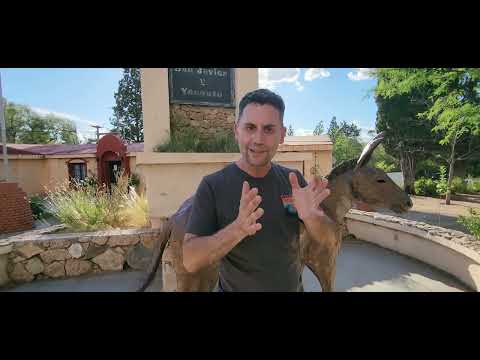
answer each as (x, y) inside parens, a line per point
(5, 249)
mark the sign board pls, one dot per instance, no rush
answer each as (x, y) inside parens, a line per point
(202, 86)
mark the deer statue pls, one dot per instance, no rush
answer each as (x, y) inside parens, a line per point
(349, 182)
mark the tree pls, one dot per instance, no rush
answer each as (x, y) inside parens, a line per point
(333, 129)
(319, 128)
(349, 130)
(346, 148)
(290, 131)
(453, 107)
(26, 126)
(408, 139)
(127, 113)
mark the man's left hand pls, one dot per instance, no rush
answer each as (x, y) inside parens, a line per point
(307, 200)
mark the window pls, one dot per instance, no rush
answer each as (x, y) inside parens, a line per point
(77, 171)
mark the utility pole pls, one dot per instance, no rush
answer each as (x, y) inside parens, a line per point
(98, 132)
(3, 104)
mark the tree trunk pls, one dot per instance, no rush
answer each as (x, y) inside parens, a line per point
(450, 174)
(407, 165)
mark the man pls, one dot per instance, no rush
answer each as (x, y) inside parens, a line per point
(247, 214)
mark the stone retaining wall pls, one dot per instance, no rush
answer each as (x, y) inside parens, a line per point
(454, 252)
(37, 256)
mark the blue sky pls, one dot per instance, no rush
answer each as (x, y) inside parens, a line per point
(87, 95)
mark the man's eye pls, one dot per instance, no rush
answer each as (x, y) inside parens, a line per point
(268, 130)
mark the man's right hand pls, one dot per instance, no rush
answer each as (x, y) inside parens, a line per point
(248, 213)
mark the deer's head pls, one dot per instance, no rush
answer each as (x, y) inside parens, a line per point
(372, 185)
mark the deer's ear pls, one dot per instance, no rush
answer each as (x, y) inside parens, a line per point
(368, 150)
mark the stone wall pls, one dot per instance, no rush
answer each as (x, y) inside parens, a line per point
(210, 121)
(15, 212)
(35, 257)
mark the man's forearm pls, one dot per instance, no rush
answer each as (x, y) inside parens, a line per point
(202, 251)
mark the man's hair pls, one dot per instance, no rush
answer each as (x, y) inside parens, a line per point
(262, 97)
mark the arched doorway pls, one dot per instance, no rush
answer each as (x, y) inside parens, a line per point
(111, 158)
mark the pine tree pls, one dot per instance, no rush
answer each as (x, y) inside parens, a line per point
(127, 113)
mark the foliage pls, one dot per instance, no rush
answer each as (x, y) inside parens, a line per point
(127, 113)
(346, 148)
(425, 187)
(442, 184)
(471, 222)
(318, 128)
(38, 207)
(451, 97)
(290, 131)
(190, 140)
(25, 126)
(91, 207)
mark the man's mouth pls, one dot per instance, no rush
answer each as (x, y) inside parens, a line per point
(257, 151)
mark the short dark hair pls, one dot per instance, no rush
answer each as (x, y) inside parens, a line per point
(262, 97)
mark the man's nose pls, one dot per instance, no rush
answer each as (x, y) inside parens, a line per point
(258, 137)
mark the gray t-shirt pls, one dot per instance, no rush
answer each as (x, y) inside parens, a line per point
(268, 260)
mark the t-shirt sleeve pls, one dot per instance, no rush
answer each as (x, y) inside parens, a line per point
(203, 218)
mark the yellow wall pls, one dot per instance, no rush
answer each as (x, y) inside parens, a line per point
(172, 178)
(30, 174)
(34, 174)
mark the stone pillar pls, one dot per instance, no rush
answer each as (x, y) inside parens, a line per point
(5, 249)
(156, 107)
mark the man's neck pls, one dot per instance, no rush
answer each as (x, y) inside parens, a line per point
(254, 171)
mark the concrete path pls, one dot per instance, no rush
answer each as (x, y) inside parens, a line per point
(361, 267)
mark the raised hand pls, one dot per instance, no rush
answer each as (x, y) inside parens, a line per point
(307, 200)
(249, 212)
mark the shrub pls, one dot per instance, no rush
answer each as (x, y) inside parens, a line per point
(189, 140)
(425, 187)
(458, 186)
(471, 222)
(38, 207)
(83, 207)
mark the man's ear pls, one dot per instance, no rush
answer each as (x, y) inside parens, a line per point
(283, 133)
(235, 129)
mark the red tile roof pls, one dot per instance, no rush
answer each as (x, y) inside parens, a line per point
(60, 149)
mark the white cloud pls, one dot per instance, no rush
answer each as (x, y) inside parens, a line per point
(303, 132)
(360, 74)
(314, 73)
(299, 86)
(270, 77)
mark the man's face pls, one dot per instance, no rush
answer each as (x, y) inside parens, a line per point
(259, 132)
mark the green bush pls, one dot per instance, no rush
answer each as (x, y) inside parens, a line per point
(473, 187)
(38, 207)
(425, 187)
(458, 186)
(190, 140)
(471, 222)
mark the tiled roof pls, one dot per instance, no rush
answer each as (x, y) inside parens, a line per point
(60, 149)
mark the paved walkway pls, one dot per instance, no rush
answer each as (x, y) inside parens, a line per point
(360, 267)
